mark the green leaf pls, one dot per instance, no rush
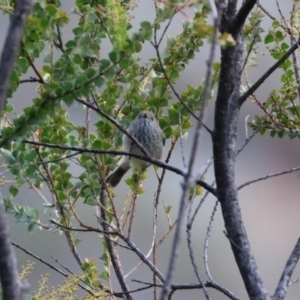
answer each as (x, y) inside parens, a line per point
(51, 9)
(13, 190)
(146, 30)
(284, 46)
(91, 200)
(269, 39)
(32, 227)
(44, 23)
(99, 82)
(125, 62)
(9, 158)
(90, 72)
(103, 64)
(115, 56)
(61, 195)
(9, 108)
(71, 44)
(22, 64)
(104, 275)
(34, 214)
(77, 59)
(279, 36)
(81, 80)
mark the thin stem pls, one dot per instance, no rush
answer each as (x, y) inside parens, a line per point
(112, 252)
(187, 177)
(114, 152)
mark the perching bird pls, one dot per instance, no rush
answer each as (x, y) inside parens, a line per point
(146, 130)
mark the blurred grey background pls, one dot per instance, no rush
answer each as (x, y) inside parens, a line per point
(270, 208)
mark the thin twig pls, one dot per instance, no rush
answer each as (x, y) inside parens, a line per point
(114, 152)
(268, 177)
(152, 247)
(142, 257)
(294, 55)
(59, 44)
(181, 140)
(36, 71)
(261, 80)
(187, 177)
(294, 281)
(110, 247)
(250, 49)
(205, 256)
(31, 79)
(156, 47)
(192, 286)
(116, 123)
(51, 266)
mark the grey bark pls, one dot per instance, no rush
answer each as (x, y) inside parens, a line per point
(12, 288)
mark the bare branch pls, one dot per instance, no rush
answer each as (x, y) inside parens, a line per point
(224, 143)
(114, 152)
(205, 256)
(11, 47)
(268, 177)
(230, 9)
(260, 81)
(187, 178)
(31, 79)
(38, 74)
(59, 44)
(241, 16)
(192, 286)
(287, 273)
(112, 251)
(50, 266)
(294, 281)
(152, 248)
(143, 257)
(73, 248)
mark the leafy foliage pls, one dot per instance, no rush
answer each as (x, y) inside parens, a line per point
(67, 290)
(76, 73)
(99, 72)
(282, 112)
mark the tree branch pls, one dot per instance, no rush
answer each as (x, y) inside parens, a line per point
(230, 9)
(287, 273)
(51, 266)
(268, 177)
(110, 247)
(12, 288)
(224, 142)
(113, 121)
(260, 81)
(192, 286)
(187, 178)
(241, 16)
(114, 152)
(11, 46)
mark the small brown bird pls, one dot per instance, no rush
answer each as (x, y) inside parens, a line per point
(146, 130)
